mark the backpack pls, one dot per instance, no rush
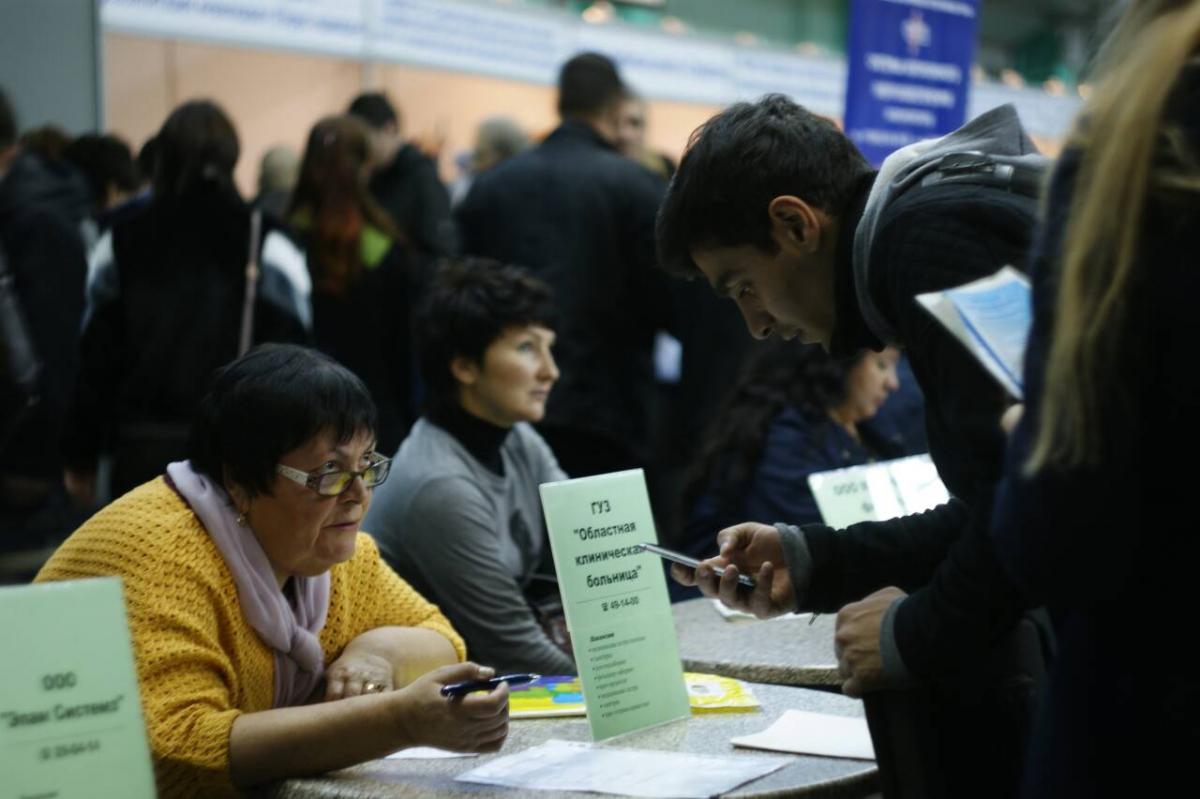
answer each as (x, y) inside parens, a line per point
(991, 150)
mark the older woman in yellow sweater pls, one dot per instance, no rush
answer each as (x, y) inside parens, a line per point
(271, 641)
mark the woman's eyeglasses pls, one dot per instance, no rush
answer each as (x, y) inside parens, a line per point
(331, 484)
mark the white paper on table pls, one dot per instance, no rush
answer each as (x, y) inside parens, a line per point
(729, 614)
(804, 733)
(573, 766)
(426, 753)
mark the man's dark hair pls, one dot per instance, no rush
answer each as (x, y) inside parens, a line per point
(587, 84)
(197, 146)
(104, 160)
(740, 160)
(267, 403)
(469, 305)
(8, 122)
(375, 109)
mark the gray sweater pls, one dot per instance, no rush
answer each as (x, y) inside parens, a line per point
(470, 540)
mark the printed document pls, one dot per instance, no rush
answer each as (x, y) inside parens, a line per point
(572, 766)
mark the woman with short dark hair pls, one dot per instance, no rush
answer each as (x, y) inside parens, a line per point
(461, 518)
(252, 596)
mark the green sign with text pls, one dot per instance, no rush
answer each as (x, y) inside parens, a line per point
(615, 597)
(70, 718)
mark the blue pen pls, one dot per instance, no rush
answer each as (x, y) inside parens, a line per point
(464, 688)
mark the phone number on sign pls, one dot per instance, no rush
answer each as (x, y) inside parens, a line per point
(68, 750)
(615, 604)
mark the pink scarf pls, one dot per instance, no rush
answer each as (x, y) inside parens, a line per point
(290, 630)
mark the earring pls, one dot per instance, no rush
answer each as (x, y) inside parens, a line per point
(241, 519)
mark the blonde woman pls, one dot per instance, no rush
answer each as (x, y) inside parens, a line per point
(1092, 518)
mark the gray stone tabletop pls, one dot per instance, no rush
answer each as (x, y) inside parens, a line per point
(701, 734)
(784, 651)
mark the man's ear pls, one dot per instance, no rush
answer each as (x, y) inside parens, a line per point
(796, 226)
(464, 370)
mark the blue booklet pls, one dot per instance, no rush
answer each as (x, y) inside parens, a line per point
(991, 317)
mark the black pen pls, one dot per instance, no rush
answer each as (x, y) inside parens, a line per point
(464, 688)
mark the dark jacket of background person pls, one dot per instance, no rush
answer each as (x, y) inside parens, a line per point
(162, 315)
(410, 190)
(39, 216)
(1111, 550)
(581, 217)
(40, 211)
(369, 330)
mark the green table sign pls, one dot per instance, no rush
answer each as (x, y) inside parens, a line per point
(70, 718)
(615, 597)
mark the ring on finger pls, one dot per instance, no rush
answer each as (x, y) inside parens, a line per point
(372, 687)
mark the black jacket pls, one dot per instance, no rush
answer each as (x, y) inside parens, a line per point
(411, 192)
(369, 331)
(164, 314)
(960, 599)
(581, 217)
(41, 206)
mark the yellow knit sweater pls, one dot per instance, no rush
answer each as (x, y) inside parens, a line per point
(199, 662)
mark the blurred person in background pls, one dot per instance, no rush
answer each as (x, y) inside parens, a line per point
(631, 137)
(147, 164)
(497, 139)
(144, 166)
(580, 216)
(361, 275)
(795, 411)
(405, 180)
(1092, 516)
(106, 162)
(270, 639)
(277, 175)
(171, 296)
(44, 254)
(461, 518)
(48, 142)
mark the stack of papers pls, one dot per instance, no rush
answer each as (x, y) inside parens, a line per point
(571, 766)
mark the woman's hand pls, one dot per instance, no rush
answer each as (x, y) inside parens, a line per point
(476, 722)
(357, 672)
(749, 548)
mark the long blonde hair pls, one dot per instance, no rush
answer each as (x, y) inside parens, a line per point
(1128, 153)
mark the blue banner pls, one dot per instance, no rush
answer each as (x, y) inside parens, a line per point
(909, 71)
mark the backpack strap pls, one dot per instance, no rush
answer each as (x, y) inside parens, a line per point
(251, 293)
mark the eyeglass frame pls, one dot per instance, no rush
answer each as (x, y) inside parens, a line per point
(310, 479)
